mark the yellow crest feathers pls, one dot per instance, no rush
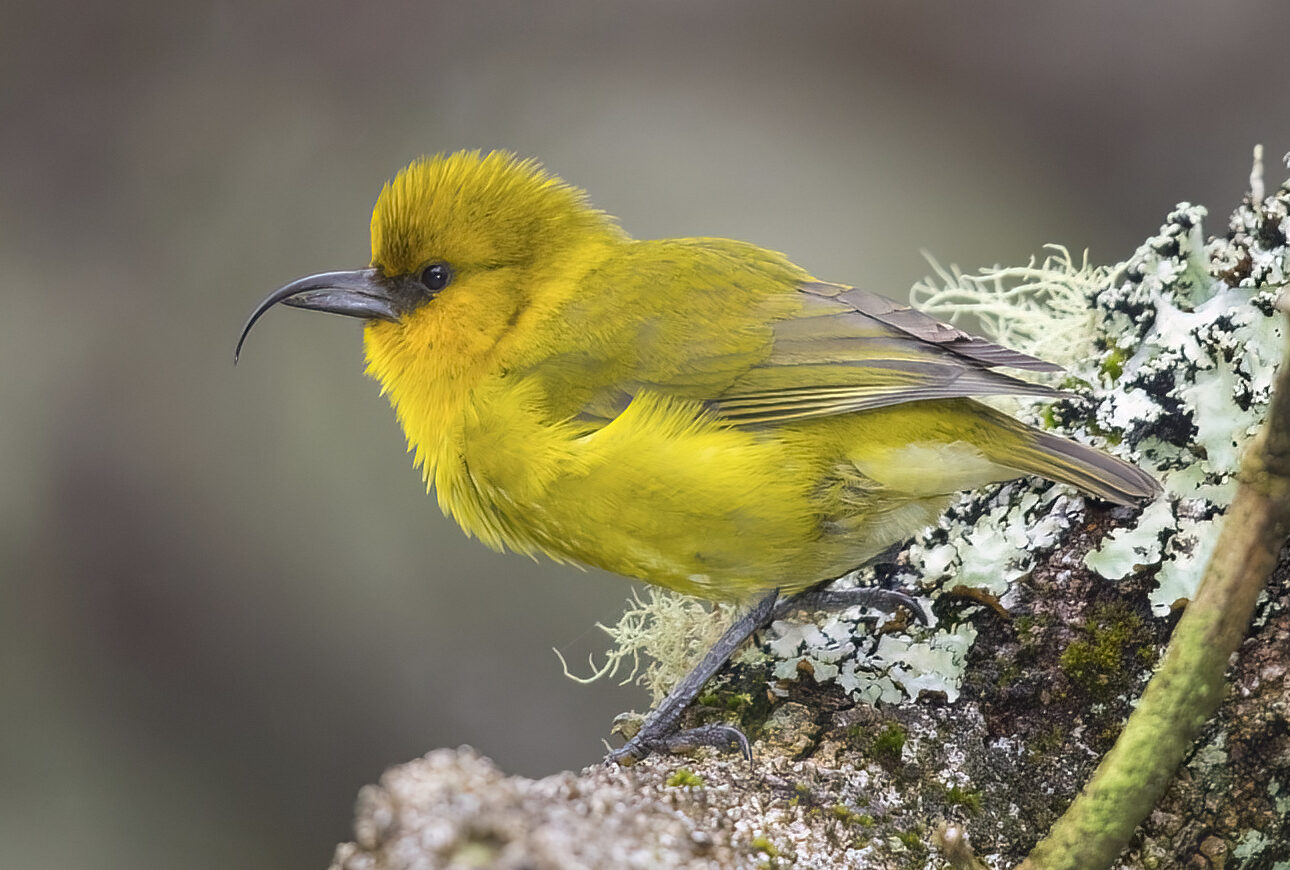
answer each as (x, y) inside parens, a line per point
(475, 209)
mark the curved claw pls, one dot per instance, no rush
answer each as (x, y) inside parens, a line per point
(717, 735)
(627, 754)
(909, 602)
(886, 600)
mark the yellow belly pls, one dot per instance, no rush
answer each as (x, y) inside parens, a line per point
(666, 494)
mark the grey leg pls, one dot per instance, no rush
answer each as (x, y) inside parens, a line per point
(659, 732)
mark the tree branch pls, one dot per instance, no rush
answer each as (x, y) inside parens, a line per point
(1188, 686)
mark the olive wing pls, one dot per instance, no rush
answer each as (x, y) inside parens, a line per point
(851, 350)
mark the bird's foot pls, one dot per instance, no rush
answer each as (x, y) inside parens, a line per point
(659, 731)
(727, 738)
(886, 600)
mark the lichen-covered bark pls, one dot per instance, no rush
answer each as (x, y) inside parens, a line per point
(1189, 682)
(836, 784)
(1230, 803)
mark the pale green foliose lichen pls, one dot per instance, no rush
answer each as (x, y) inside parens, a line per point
(1280, 801)
(1199, 356)
(1251, 844)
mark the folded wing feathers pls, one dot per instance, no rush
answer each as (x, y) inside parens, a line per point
(870, 336)
(928, 328)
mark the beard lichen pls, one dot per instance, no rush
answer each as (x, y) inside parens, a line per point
(1040, 308)
(657, 640)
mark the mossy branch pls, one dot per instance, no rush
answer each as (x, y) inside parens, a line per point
(1188, 686)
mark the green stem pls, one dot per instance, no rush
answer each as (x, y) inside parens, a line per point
(1188, 686)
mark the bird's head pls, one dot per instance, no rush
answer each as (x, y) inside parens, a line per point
(461, 245)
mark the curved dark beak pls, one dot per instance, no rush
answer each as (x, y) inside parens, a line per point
(362, 293)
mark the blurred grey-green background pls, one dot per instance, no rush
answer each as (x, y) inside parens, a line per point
(226, 602)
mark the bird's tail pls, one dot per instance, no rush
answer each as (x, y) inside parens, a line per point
(1083, 467)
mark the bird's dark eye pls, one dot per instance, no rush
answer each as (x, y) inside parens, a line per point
(436, 276)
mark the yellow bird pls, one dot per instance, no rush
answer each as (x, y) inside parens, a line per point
(699, 413)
